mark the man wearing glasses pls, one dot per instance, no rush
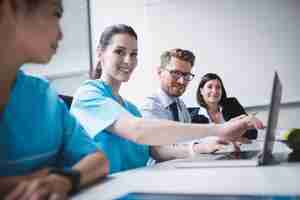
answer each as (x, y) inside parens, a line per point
(174, 75)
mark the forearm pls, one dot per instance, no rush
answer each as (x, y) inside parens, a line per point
(161, 132)
(92, 168)
(169, 152)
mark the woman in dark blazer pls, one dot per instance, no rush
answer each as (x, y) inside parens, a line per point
(215, 106)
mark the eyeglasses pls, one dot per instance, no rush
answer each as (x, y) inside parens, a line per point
(187, 76)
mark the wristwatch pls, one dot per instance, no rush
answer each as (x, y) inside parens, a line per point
(192, 153)
(71, 174)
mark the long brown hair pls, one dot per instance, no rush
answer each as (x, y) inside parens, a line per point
(105, 40)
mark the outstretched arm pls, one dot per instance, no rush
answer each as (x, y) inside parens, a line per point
(161, 132)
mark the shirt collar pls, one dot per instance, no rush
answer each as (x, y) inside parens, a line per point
(204, 111)
(166, 100)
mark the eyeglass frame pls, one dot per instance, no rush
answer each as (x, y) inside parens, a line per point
(176, 74)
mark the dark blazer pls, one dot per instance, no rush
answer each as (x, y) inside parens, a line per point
(231, 108)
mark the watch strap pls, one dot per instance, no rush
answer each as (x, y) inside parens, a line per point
(71, 174)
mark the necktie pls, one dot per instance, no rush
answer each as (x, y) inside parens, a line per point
(174, 110)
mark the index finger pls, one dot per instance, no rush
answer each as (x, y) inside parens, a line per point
(238, 117)
(17, 192)
(42, 193)
(56, 196)
(33, 187)
(236, 147)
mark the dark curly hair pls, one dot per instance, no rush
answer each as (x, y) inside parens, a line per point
(208, 77)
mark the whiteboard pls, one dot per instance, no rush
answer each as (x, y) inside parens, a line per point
(73, 55)
(242, 41)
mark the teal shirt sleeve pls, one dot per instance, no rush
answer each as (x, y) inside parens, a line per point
(76, 144)
(94, 106)
(37, 130)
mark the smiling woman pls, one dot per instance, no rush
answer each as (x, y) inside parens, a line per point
(105, 41)
(215, 106)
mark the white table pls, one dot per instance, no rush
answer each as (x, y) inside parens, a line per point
(280, 179)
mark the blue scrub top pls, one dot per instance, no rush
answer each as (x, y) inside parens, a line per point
(37, 130)
(96, 108)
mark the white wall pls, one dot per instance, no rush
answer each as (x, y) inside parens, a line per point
(289, 115)
(243, 41)
(68, 85)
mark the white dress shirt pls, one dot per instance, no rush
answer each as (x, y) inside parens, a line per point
(156, 106)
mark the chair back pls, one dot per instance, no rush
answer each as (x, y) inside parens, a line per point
(67, 99)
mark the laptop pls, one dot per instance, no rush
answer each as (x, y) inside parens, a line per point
(244, 158)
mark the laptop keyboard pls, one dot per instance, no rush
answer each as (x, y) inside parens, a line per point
(254, 146)
(243, 155)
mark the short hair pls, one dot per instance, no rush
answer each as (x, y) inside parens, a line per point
(181, 54)
(105, 40)
(1, 2)
(29, 5)
(32, 4)
(208, 77)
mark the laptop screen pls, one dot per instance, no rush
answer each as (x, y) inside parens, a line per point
(272, 120)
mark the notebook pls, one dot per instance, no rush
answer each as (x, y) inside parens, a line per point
(244, 158)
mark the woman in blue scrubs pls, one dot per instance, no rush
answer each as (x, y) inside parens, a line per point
(44, 152)
(116, 124)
